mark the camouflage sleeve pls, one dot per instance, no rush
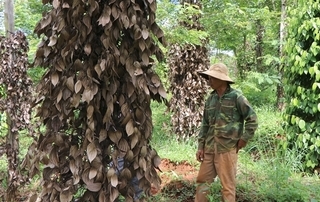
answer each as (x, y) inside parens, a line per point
(249, 116)
(204, 129)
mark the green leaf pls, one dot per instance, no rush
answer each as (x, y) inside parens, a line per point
(293, 119)
(311, 147)
(314, 86)
(310, 164)
(302, 124)
(299, 89)
(311, 71)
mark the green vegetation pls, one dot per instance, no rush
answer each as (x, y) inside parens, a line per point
(265, 174)
(302, 82)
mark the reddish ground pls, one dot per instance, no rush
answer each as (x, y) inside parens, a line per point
(177, 180)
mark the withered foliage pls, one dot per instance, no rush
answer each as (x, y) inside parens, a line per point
(15, 101)
(187, 87)
(14, 79)
(95, 98)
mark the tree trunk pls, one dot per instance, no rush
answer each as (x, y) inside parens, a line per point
(8, 16)
(259, 49)
(12, 140)
(12, 150)
(280, 90)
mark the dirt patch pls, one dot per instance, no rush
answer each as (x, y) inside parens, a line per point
(178, 180)
(173, 170)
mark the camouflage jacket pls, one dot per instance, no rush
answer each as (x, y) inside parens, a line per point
(225, 120)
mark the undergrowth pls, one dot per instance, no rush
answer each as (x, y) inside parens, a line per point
(264, 173)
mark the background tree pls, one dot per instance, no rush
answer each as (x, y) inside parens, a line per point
(282, 35)
(185, 60)
(15, 96)
(94, 99)
(302, 81)
(250, 31)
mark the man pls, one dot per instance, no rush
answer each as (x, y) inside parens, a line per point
(228, 123)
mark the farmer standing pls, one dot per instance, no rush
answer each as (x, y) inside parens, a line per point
(229, 121)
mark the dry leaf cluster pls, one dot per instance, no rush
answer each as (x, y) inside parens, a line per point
(94, 99)
(188, 88)
(14, 79)
(15, 100)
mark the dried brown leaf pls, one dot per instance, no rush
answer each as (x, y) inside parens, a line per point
(123, 145)
(78, 86)
(94, 187)
(145, 58)
(87, 95)
(54, 157)
(143, 151)
(90, 110)
(102, 195)
(142, 164)
(91, 151)
(102, 135)
(98, 70)
(133, 140)
(125, 21)
(162, 92)
(115, 12)
(70, 83)
(130, 127)
(156, 161)
(114, 180)
(105, 16)
(114, 136)
(114, 194)
(87, 49)
(53, 40)
(111, 172)
(145, 33)
(54, 78)
(93, 172)
(66, 196)
(59, 97)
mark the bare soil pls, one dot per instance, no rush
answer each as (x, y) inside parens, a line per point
(178, 180)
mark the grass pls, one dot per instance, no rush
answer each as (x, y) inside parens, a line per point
(165, 142)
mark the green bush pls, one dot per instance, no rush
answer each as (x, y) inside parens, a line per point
(269, 132)
(301, 76)
(259, 88)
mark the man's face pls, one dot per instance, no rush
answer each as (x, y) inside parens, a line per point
(215, 83)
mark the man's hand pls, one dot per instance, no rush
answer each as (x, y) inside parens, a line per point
(200, 155)
(241, 144)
